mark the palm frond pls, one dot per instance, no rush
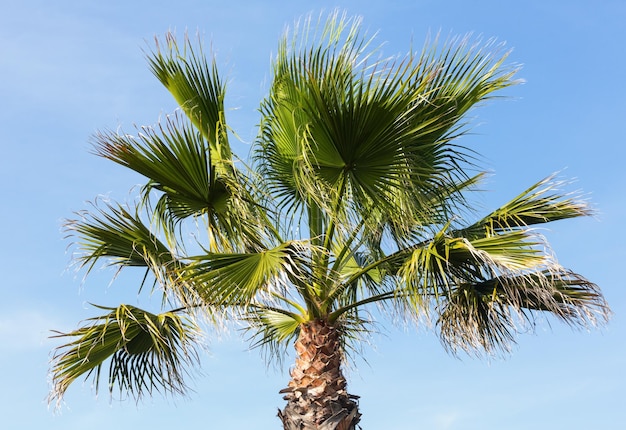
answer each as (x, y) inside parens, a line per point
(175, 159)
(235, 279)
(384, 128)
(272, 329)
(539, 204)
(218, 189)
(355, 277)
(433, 269)
(471, 323)
(486, 316)
(565, 294)
(447, 202)
(508, 251)
(147, 352)
(114, 234)
(195, 84)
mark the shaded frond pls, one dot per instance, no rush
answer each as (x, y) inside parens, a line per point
(565, 294)
(175, 159)
(470, 322)
(113, 233)
(147, 352)
(486, 316)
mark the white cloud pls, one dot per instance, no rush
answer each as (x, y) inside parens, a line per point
(444, 421)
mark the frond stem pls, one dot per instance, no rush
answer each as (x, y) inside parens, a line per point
(372, 299)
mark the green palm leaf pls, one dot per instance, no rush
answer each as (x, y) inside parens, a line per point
(223, 279)
(147, 352)
(539, 204)
(273, 329)
(121, 239)
(203, 163)
(114, 234)
(485, 316)
(176, 160)
(383, 129)
(197, 88)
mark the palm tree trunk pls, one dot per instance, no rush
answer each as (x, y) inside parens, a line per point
(316, 396)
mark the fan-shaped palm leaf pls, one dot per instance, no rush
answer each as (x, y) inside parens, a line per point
(147, 352)
(176, 160)
(197, 88)
(379, 133)
(237, 279)
(486, 316)
(114, 234)
(539, 204)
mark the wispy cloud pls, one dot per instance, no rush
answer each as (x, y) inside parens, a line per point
(446, 420)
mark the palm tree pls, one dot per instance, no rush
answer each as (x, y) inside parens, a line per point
(355, 206)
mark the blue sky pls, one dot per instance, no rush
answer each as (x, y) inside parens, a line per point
(69, 68)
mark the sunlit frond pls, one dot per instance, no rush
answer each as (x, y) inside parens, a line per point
(378, 132)
(147, 352)
(434, 270)
(272, 329)
(541, 203)
(236, 279)
(195, 84)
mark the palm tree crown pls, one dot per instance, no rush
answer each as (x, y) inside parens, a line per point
(357, 195)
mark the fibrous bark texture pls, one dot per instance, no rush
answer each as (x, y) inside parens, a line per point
(316, 396)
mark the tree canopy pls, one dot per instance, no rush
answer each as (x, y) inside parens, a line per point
(358, 202)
